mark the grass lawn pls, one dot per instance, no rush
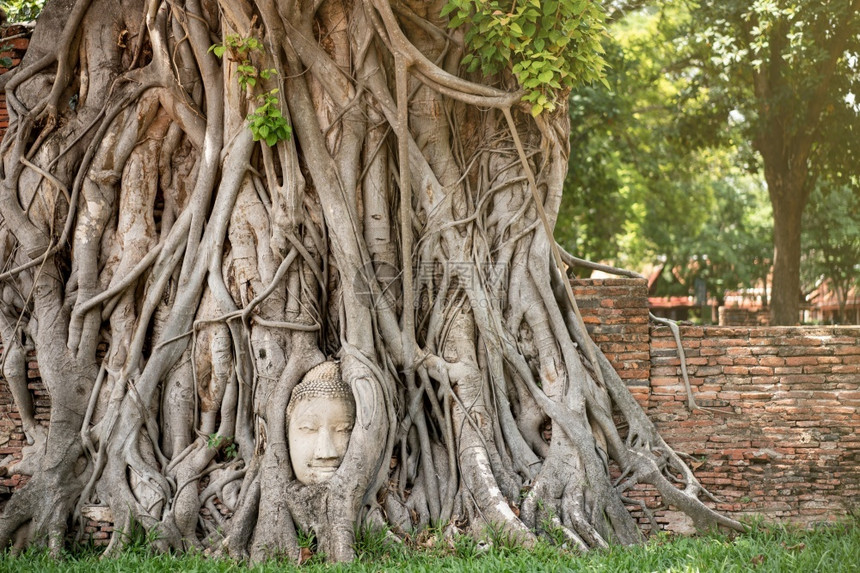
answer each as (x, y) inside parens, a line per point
(829, 549)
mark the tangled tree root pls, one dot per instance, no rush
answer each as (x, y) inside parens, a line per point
(177, 279)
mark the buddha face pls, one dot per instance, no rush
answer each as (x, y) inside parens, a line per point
(319, 428)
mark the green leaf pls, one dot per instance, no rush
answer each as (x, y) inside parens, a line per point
(447, 9)
(536, 109)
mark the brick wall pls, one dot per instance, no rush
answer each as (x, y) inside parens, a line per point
(615, 312)
(778, 434)
(781, 433)
(11, 434)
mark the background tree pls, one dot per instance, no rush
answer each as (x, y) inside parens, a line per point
(201, 202)
(22, 10)
(705, 96)
(788, 69)
(646, 185)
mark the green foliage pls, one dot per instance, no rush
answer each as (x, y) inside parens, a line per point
(787, 72)
(500, 539)
(765, 549)
(707, 101)
(549, 45)
(553, 533)
(18, 11)
(642, 190)
(239, 50)
(218, 442)
(137, 540)
(22, 10)
(787, 68)
(306, 539)
(831, 239)
(465, 547)
(373, 543)
(266, 122)
(622, 150)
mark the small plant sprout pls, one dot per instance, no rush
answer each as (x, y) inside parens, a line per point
(266, 122)
(218, 442)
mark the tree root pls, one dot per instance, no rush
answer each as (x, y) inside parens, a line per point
(178, 279)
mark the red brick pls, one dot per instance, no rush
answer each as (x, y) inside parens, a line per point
(771, 361)
(844, 350)
(845, 368)
(801, 360)
(761, 371)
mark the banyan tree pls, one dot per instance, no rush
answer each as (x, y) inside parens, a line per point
(291, 262)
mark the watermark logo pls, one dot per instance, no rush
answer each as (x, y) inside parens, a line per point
(379, 285)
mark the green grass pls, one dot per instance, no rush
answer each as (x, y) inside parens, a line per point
(830, 549)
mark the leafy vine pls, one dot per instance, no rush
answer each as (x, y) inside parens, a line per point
(267, 122)
(551, 45)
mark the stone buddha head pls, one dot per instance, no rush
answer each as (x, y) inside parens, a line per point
(320, 417)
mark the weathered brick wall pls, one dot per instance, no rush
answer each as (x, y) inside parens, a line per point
(11, 434)
(780, 432)
(615, 312)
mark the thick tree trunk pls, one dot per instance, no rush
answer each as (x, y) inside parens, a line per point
(788, 207)
(788, 183)
(403, 231)
(788, 131)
